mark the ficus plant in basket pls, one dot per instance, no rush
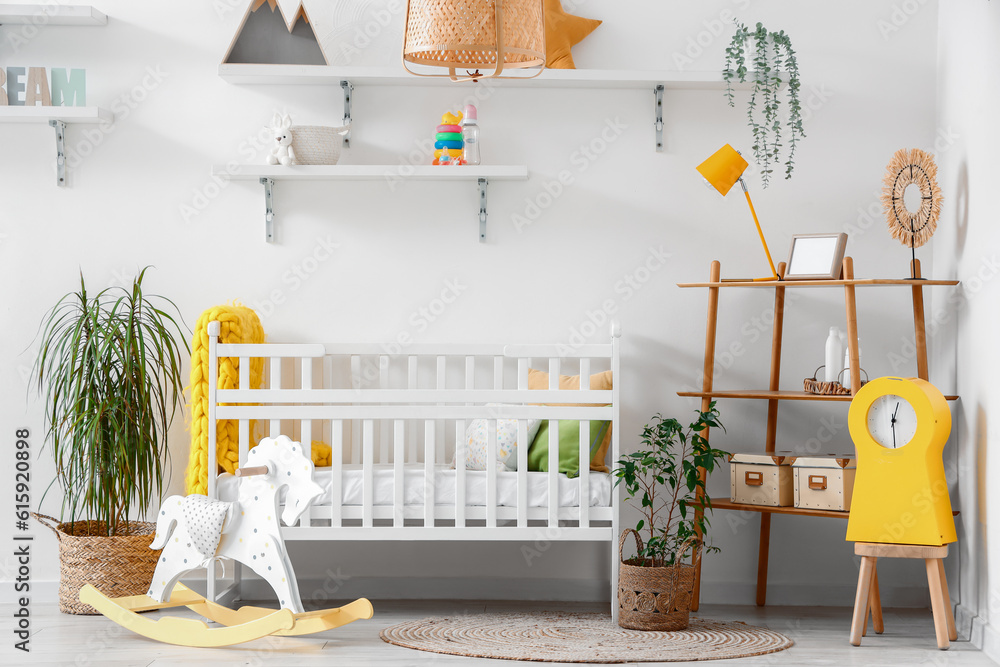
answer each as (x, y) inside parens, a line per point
(663, 480)
(109, 371)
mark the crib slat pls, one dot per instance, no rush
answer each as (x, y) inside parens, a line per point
(383, 427)
(491, 473)
(368, 473)
(522, 450)
(399, 448)
(441, 380)
(461, 450)
(585, 473)
(411, 383)
(336, 471)
(357, 384)
(497, 373)
(429, 473)
(305, 432)
(553, 474)
(274, 429)
(585, 451)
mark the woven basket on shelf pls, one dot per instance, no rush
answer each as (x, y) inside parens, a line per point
(465, 35)
(118, 566)
(317, 144)
(814, 385)
(653, 598)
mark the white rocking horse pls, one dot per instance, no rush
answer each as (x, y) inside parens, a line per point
(194, 531)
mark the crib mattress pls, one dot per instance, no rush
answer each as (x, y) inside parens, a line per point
(475, 487)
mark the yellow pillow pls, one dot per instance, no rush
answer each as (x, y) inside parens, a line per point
(562, 31)
(599, 381)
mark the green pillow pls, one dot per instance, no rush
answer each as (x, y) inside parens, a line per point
(569, 445)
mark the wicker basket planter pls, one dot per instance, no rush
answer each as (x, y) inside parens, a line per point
(117, 566)
(317, 144)
(652, 598)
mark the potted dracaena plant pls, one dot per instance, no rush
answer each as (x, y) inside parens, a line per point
(664, 481)
(109, 371)
(774, 64)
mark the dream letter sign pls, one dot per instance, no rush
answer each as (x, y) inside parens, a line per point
(30, 87)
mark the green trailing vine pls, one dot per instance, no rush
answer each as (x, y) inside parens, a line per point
(770, 72)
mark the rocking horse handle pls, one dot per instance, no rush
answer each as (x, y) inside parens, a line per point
(250, 471)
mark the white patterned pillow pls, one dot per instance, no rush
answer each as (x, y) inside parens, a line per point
(476, 443)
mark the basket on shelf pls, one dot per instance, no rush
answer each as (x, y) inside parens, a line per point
(653, 598)
(118, 566)
(317, 144)
(835, 388)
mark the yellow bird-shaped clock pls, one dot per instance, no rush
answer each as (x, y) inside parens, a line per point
(899, 427)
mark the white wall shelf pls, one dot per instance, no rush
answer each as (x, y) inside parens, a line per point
(266, 175)
(38, 114)
(58, 118)
(52, 14)
(396, 76)
(348, 77)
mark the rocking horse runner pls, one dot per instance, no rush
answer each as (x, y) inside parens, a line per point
(195, 531)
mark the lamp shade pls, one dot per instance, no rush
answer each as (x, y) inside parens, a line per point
(472, 34)
(723, 169)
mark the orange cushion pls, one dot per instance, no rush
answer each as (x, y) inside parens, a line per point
(599, 381)
(562, 31)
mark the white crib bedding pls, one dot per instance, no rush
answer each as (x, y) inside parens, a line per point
(475, 487)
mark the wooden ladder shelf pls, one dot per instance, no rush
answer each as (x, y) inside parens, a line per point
(773, 395)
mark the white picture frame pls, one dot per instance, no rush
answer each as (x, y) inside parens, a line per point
(816, 256)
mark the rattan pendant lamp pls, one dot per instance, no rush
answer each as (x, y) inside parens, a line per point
(466, 35)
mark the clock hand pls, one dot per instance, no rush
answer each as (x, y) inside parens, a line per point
(893, 425)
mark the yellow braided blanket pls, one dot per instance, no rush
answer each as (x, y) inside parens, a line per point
(238, 324)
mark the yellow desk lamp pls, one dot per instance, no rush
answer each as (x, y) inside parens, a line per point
(722, 170)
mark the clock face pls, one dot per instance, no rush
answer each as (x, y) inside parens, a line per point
(892, 421)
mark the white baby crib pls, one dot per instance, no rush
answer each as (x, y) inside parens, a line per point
(395, 419)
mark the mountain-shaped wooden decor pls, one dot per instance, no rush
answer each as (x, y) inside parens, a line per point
(276, 32)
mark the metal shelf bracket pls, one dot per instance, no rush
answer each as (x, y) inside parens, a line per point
(658, 113)
(60, 128)
(482, 209)
(348, 89)
(268, 184)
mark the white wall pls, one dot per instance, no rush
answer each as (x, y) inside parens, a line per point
(966, 247)
(868, 85)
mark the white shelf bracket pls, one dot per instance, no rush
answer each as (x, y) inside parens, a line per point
(658, 114)
(483, 182)
(268, 184)
(348, 89)
(60, 128)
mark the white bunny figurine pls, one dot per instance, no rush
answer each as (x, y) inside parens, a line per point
(282, 152)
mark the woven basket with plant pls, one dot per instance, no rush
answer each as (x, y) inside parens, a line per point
(109, 369)
(665, 476)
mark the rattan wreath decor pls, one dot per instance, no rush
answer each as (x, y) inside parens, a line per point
(911, 166)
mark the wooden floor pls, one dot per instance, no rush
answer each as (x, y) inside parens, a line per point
(820, 635)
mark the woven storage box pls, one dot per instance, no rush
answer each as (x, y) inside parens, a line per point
(653, 598)
(824, 482)
(317, 144)
(117, 566)
(761, 479)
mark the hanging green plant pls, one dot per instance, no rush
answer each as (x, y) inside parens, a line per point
(774, 65)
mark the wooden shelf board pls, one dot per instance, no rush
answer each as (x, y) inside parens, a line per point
(859, 282)
(51, 14)
(22, 114)
(396, 76)
(727, 504)
(772, 395)
(373, 172)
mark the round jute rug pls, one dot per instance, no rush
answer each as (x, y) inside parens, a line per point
(572, 637)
